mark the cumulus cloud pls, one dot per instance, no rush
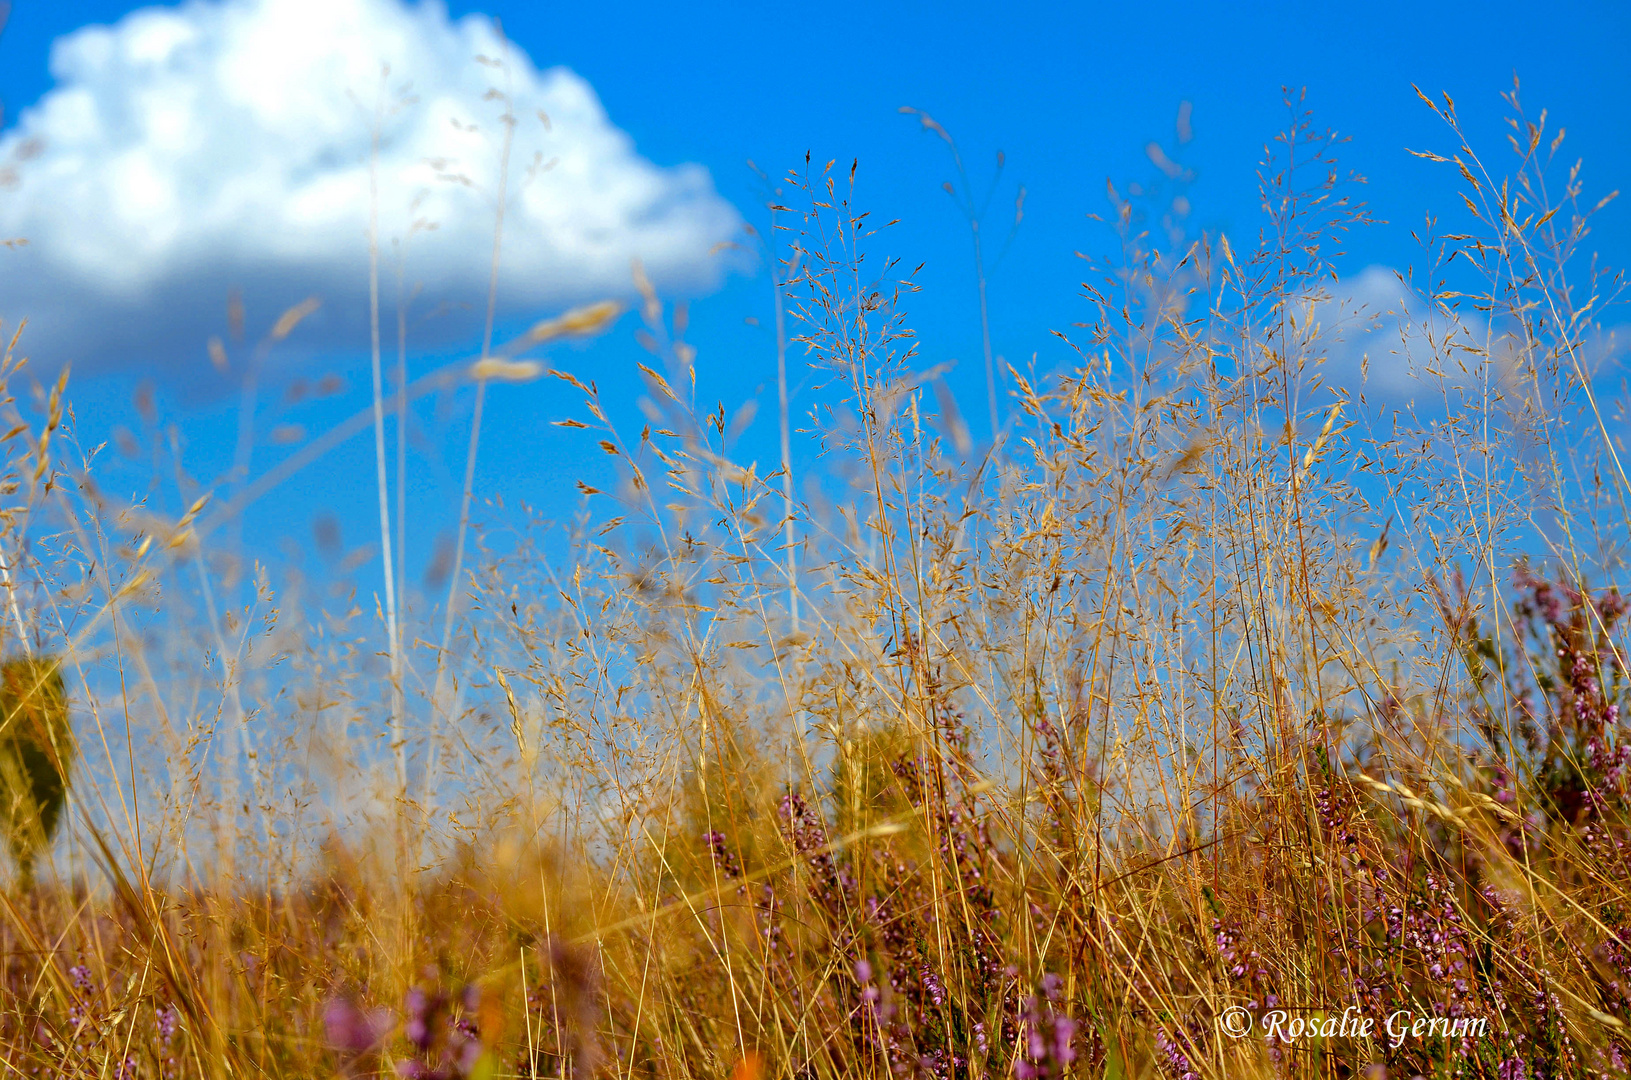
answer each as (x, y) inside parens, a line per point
(1382, 339)
(187, 151)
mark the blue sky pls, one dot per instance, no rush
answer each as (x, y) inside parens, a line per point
(1070, 93)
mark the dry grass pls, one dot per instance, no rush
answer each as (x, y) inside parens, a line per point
(1211, 683)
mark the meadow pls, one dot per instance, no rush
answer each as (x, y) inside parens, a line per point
(1221, 717)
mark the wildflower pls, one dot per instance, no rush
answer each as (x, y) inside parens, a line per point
(446, 1040)
(932, 985)
(1335, 810)
(165, 1019)
(353, 1033)
(1175, 1055)
(722, 855)
(423, 1011)
(872, 1004)
(807, 834)
(165, 1022)
(1048, 1035)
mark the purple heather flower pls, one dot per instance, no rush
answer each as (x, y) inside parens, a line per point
(1174, 1052)
(1048, 1037)
(931, 983)
(165, 1019)
(420, 1009)
(722, 855)
(446, 1041)
(469, 1054)
(352, 1031)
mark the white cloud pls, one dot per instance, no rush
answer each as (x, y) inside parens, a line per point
(1382, 339)
(188, 150)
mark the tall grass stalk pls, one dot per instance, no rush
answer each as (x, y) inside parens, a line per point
(468, 489)
(973, 209)
(381, 484)
(781, 273)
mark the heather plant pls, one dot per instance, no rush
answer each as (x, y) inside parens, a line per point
(1211, 693)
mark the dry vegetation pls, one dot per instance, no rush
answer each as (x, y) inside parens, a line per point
(1213, 683)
